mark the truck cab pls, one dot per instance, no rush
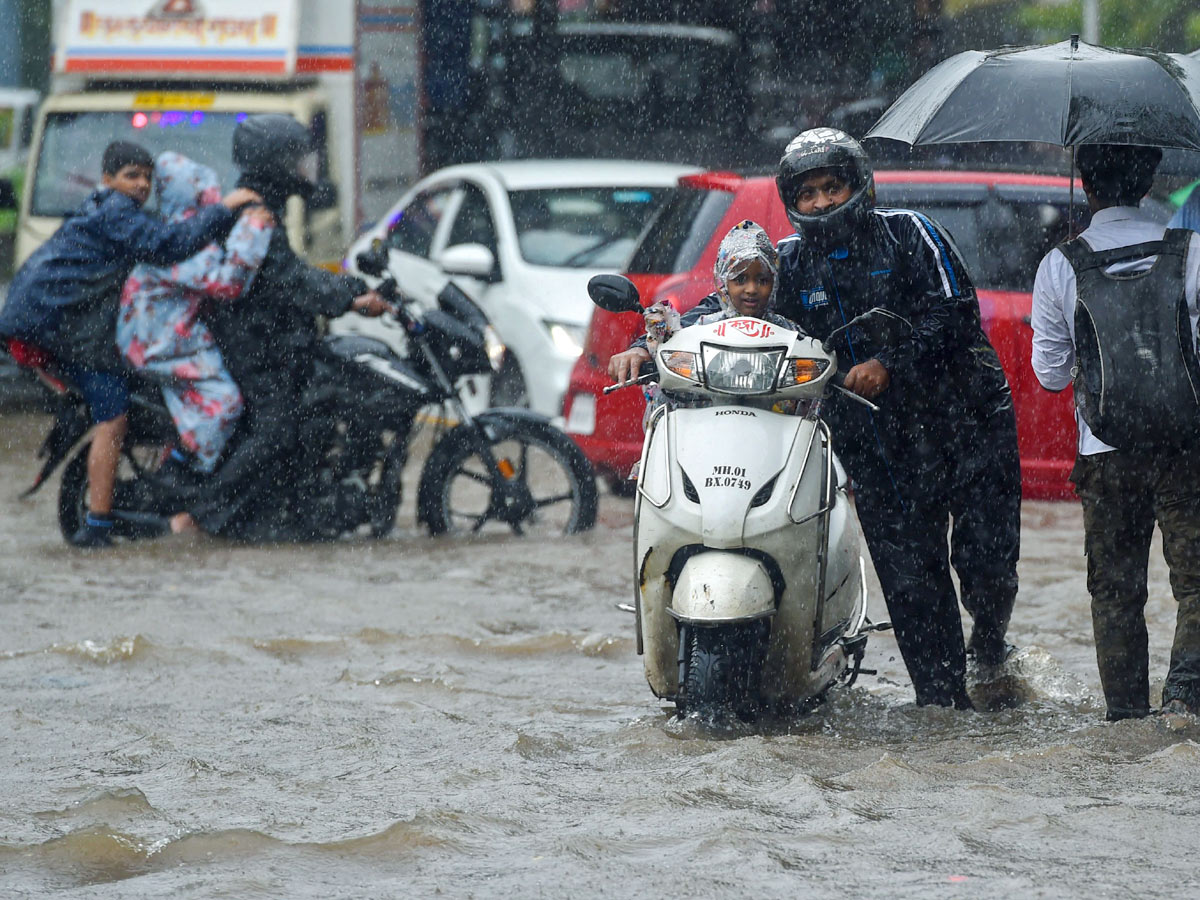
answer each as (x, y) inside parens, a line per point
(180, 75)
(196, 120)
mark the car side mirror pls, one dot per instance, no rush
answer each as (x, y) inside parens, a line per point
(614, 293)
(8, 195)
(472, 260)
(374, 260)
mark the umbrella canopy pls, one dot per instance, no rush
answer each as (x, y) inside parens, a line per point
(1068, 94)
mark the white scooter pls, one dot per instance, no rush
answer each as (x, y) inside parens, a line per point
(750, 587)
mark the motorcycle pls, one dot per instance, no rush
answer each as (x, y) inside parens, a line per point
(362, 406)
(750, 586)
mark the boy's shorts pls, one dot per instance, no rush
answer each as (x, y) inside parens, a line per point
(106, 393)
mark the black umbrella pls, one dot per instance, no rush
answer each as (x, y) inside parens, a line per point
(1069, 93)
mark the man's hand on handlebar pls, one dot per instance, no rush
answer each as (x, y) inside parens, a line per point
(623, 367)
(371, 304)
(868, 379)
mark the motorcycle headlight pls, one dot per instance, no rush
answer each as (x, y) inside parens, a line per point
(682, 363)
(568, 338)
(741, 371)
(494, 347)
(801, 371)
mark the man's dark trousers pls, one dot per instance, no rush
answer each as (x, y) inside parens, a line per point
(1124, 493)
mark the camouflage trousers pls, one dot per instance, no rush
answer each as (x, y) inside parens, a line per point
(1123, 495)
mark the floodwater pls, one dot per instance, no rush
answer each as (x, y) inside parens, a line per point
(416, 717)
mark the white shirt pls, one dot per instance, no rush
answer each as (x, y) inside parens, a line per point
(1053, 317)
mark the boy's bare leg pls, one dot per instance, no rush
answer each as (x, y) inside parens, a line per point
(103, 456)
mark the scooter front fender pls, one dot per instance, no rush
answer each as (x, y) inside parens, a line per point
(718, 587)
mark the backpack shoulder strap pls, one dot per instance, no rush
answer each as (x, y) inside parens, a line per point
(1078, 253)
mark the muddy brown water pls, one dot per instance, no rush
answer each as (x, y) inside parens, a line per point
(414, 717)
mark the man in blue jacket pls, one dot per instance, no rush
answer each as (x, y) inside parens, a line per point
(64, 299)
(943, 445)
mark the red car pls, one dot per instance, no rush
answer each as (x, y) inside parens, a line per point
(1002, 222)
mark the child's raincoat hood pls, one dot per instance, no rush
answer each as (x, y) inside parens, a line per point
(184, 186)
(746, 242)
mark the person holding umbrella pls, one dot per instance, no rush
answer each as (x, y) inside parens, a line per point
(1115, 311)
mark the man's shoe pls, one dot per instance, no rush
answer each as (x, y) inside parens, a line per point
(990, 654)
(93, 534)
(1177, 707)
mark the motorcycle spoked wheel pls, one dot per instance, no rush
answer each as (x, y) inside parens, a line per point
(131, 491)
(544, 484)
(721, 669)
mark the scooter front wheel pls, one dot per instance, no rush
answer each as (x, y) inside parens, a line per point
(507, 473)
(722, 668)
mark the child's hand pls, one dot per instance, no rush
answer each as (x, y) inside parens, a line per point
(260, 216)
(662, 321)
(239, 197)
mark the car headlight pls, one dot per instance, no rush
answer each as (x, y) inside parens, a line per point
(801, 371)
(567, 337)
(741, 371)
(494, 347)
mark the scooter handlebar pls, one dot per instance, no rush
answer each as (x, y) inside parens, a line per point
(838, 380)
(641, 379)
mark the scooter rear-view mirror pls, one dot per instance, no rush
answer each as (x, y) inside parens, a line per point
(878, 325)
(614, 293)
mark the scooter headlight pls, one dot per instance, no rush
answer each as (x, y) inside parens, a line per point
(741, 371)
(494, 347)
(801, 371)
(682, 363)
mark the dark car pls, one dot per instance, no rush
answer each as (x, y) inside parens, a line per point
(616, 90)
(1002, 222)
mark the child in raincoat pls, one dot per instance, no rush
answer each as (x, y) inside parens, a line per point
(159, 330)
(746, 274)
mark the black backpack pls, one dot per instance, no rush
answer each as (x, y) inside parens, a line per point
(1137, 379)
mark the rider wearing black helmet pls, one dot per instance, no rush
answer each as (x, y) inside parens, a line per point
(845, 168)
(268, 335)
(944, 443)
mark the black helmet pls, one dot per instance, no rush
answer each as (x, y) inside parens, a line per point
(276, 148)
(827, 148)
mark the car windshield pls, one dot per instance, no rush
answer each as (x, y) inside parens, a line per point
(68, 167)
(582, 227)
(1001, 233)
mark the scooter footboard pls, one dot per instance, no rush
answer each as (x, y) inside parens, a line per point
(718, 586)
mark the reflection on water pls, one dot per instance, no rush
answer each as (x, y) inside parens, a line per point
(191, 719)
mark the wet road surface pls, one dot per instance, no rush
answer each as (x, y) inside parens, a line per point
(414, 716)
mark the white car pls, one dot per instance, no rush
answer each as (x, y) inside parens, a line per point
(521, 238)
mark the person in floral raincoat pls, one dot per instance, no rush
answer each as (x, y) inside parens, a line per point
(159, 329)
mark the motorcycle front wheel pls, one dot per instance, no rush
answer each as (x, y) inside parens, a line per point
(507, 474)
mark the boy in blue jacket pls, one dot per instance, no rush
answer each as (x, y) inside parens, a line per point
(64, 299)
